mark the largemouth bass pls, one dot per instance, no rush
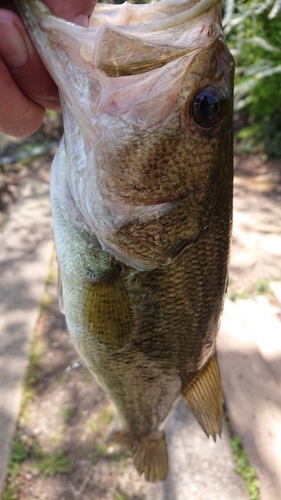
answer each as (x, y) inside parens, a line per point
(141, 195)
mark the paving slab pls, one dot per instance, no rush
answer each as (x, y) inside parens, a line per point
(249, 342)
(251, 385)
(26, 246)
(256, 246)
(276, 289)
(199, 468)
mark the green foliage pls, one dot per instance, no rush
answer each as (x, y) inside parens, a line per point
(101, 452)
(21, 451)
(50, 464)
(253, 32)
(238, 295)
(108, 413)
(243, 468)
(262, 286)
(258, 287)
(67, 412)
(120, 496)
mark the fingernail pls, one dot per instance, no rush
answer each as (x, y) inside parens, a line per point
(13, 47)
(82, 20)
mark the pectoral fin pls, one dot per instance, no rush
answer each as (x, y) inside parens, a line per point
(204, 398)
(149, 453)
(107, 311)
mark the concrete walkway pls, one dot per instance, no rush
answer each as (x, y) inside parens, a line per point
(250, 361)
(249, 343)
(26, 246)
(200, 469)
(249, 351)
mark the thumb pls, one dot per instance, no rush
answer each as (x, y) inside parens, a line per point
(71, 9)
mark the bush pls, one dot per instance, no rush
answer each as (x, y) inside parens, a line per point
(253, 32)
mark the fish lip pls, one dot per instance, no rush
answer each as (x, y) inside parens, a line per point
(92, 48)
(190, 13)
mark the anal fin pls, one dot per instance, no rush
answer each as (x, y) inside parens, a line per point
(204, 398)
(149, 453)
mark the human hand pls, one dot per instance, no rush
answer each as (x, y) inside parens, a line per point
(26, 88)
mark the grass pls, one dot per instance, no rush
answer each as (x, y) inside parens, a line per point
(62, 377)
(50, 464)
(238, 295)
(28, 449)
(102, 420)
(11, 491)
(92, 424)
(258, 287)
(243, 468)
(101, 451)
(37, 350)
(52, 270)
(261, 286)
(21, 451)
(107, 414)
(45, 302)
(120, 496)
(56, 437)
(67, 413)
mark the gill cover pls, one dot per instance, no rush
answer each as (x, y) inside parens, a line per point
(133, 88)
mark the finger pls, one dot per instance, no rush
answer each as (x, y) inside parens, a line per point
(24, 64)
(67, 9)
(71, 9)
(18, 115)
(26, 86)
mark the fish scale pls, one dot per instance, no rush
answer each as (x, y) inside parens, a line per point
(141, 194)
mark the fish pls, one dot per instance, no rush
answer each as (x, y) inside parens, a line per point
(141, 193)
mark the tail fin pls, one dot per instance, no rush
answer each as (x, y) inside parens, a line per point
(149, 453)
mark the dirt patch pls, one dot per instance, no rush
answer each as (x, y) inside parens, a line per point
(256, 245)
(28, 157)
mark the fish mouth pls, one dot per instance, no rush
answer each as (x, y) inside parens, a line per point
(168, 14)
(127, 14)
(127, 39)
(188, 10)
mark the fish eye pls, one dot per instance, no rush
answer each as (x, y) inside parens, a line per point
(209, 107)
